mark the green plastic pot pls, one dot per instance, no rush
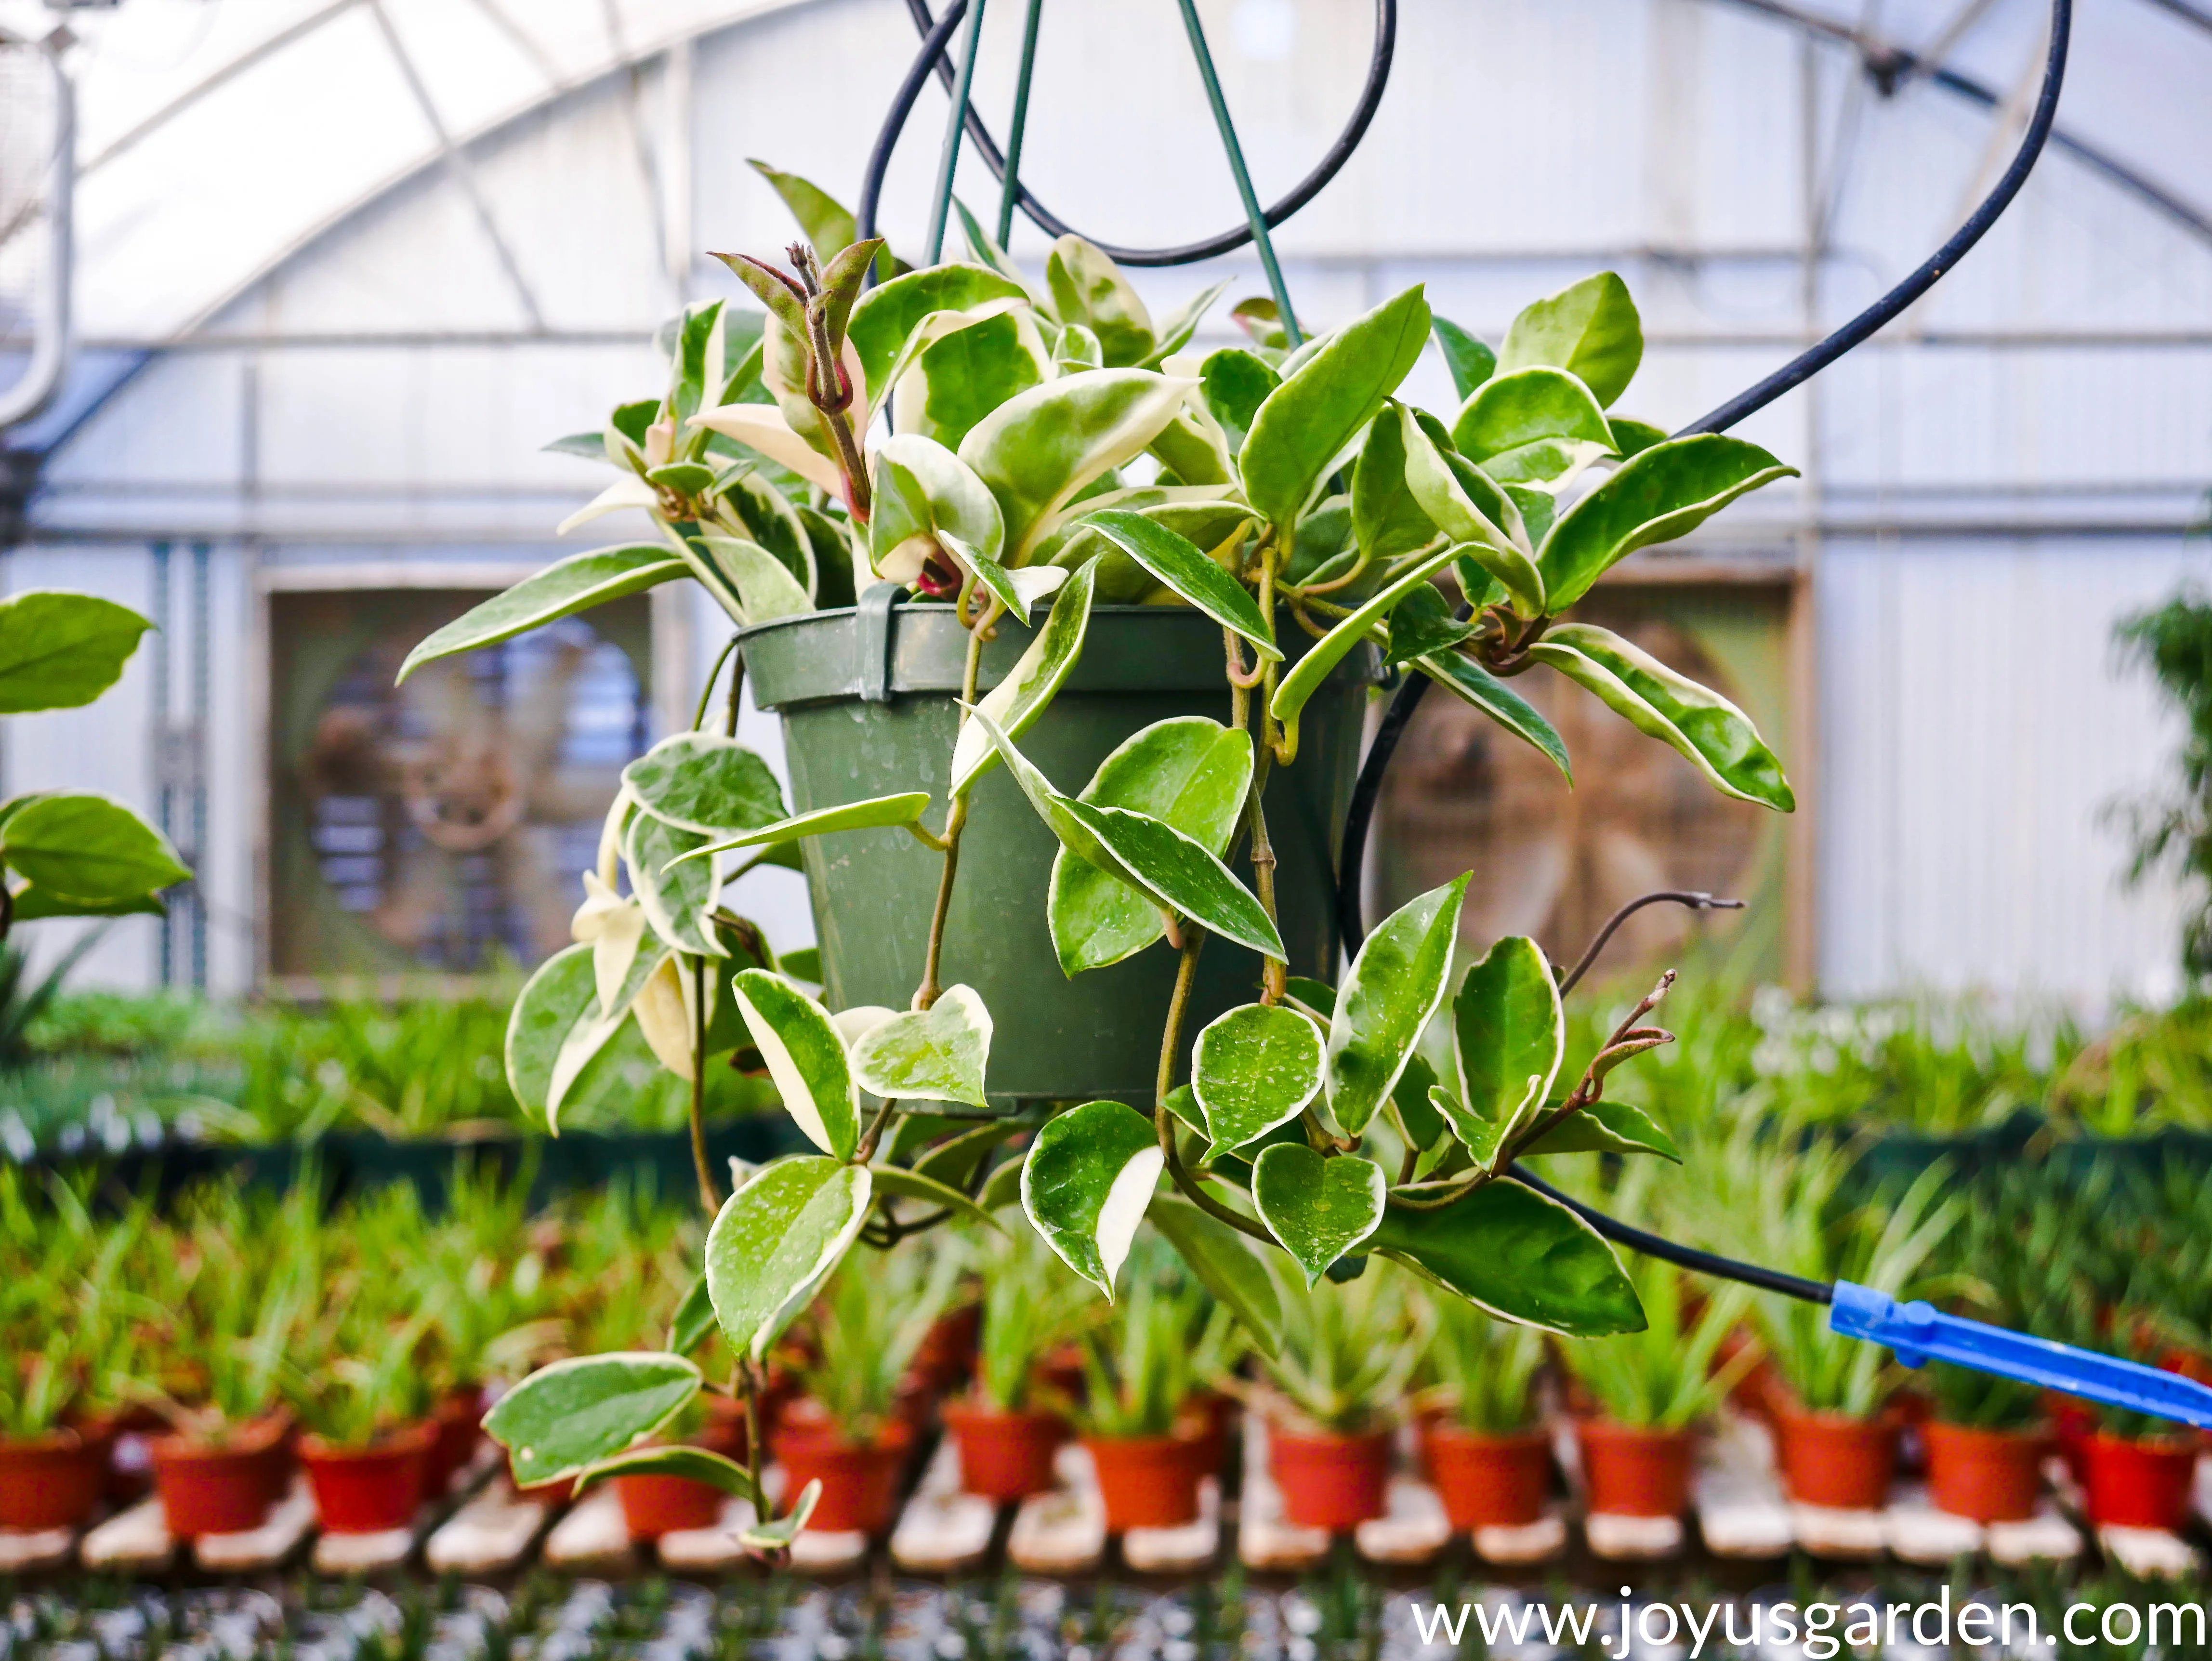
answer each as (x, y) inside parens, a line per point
(868, 698)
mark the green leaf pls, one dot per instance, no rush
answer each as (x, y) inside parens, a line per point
(1176, 872)
(775, 1241)
(1662, 493)
(1395, 987)
(1632, 438)
(1038, 450)
(924, 493)
(1002, 1188)
(805, 1056)
(1481, 1137)
(1604, 1126)
(692, 1464)
(1235, 383)
(555, 1029)
(770, 518)
(1076, 350)
(773, 1536)
(677, 892)
(1307, 422)
(1520, 1256)
(1508, 1035)
(957, 369)
(1014, 704)
(1471, 682)
(1087, 288)
(1184, 567)
(1534, 426)
(1712, 734)
(1316, 995)
(987, 252)
(1086, 1183)
(1193, 449)
(1423, 623)
(1470, 508)
(828, 224)
(689, 479)
(1177, 329)
(1589, 327)
(1324, 654)
(572, 1414)
(765, 586)
(1189, 770)
(875, 813)
(1227, 1267)
(1319, 1208)
(1469, 360)
(693, 1320)
(1410, 1097)
(1260, 318)
(590, 447)
(1198, 513)
(84, 847)
(60, 650)
(1387, 519)
(705, 784)
(1253, 1068)
(935, 1054)
(913, 1185)
(562, 589)
(33, 903)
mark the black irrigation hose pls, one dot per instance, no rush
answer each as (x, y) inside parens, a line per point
(1360, 818)
(1682, 1256)
(936, 33)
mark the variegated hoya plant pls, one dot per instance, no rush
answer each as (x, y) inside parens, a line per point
(1050, 440)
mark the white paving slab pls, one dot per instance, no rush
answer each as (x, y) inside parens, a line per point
(1412, 1531)
(25, 1550)
(137, 1539)
(943, 1530)
(1183, 1550)
(290, 1521)
(592, 1534)
(492, 1533)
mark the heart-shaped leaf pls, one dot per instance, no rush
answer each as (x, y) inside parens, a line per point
(1660, 494)
(1309, 671)
(88, 847)
(1014, 704)
(805, 1056)
(1185, 568)
(60, 650)
(1508, 1034)
(938, 1054)
(1520, 1256)
(884, 317)
(1086, 1183)
(705, 784)
(561, 589)
(1319, 1208)
(676, 892)
(1534, 426)
(1395, 987)
(1589, 327)
(1252, 1070)
(572, 1414)
(1189, 772)
(775, 1241)
(1604, 1126)
(1472, 683)
(1712, 734)
(1227, 1267)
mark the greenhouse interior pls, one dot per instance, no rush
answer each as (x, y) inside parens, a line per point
(793, 855)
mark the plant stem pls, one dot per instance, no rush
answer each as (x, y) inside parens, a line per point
(1163, 1120)
(706, 692)
(737, 695)
(709, 1194)
(956, 821)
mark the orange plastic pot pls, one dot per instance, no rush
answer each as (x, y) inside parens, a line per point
(221, 1487)
(1333, 1482)
(1631, 1472)
(1986, 1475)
(1489, 1481)
(1004, 1455)
(1146, 1481)
(860, 1479)
(2141, 1484)
(653, 1505)
(1836, 1460)
(373, 1489)
(53, 1482)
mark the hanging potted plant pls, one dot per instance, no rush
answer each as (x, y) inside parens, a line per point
(1010, 1428)
(1488, 1453)
(1071, 803)
(1137, 1383)
(1985, 1440)
(1346, 1353)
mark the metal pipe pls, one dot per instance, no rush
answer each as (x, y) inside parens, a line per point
(41, 381)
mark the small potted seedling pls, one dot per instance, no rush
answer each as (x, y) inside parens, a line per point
(1347, 1351)
(2137, 1470)
(1137, 1388)
(1010, 1427)
(847, 1430)
(1488, 1453)
(1651, 1389)
(369, 1438)
(1985, 1445)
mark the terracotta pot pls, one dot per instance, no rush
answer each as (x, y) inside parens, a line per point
(2140, 1484)
(372, 1489)
(53, 1482)
(946, 1358)
(1630, 1472)
(1146, 1481)
(222, 1487)
(2073, 1422)
(1333, 1482)
(1836, 1460)
(1986, 1475)
(1489, 1481)
(860, 1479)
(654, 1503)
(458, 1417)
(1004, 1455)
(1204, 1422)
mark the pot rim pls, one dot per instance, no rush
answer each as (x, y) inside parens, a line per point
(894, 1434)
(2041, 1430)
(2172, 1447)
(397, 1442)
(1332, 1438)
(1608, 1429)
(965, 1409)
(1174, 1440)
(1451, 1430)
(253, 1438)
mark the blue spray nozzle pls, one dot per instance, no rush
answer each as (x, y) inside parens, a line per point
(1919, 1331)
